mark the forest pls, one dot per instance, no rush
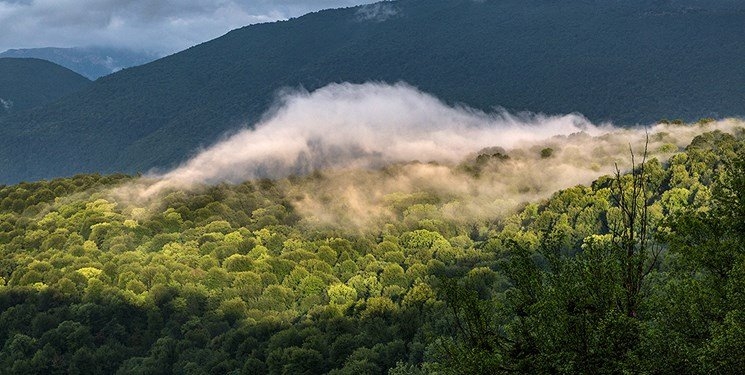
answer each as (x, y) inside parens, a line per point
(26, 83)
(641, 271)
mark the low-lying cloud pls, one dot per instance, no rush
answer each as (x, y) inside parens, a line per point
(373, 141)
(363, 126)
(377, 12)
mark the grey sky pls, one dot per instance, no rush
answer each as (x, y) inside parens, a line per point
(163, 26)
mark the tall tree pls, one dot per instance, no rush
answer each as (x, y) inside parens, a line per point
(631, 195)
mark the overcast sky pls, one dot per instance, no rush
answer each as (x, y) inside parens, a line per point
(162, 26)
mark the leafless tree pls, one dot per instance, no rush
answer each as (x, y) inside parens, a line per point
(638, 252)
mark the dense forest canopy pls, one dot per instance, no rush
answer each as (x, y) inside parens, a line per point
(638, 272)
(26, 83)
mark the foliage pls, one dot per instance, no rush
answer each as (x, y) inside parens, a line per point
(230, 279)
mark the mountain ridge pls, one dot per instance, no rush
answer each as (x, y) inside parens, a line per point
(91, 62)
(617, 63)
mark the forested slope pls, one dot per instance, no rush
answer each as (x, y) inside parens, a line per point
(26, 83)
(634, 61)
(233, 279)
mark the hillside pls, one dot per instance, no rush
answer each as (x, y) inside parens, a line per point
(91, 62)
(627, 61)
(27, 83)
(240, 278)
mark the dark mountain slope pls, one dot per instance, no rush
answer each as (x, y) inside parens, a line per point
(27, 83)
(626, 61)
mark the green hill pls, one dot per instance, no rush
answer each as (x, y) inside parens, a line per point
(636, 273)
(627, 61)
(26, 83)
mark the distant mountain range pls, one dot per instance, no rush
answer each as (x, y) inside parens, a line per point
(92, 62)
(29, 83)
(630, 61)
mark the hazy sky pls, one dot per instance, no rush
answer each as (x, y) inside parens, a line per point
(157, 25)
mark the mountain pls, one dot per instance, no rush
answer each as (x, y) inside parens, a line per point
(28, 83)
(92, 62)
(625, 61)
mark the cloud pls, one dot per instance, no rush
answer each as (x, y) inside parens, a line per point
(6, 104)
(362, 126)
(161, 26)
(378, 12)
(364, 147)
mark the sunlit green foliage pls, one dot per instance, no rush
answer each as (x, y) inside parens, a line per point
(230, 279)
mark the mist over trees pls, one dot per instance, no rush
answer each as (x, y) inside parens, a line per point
(641, 272)
(619, 61)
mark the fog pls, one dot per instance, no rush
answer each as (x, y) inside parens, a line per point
(367, 144)
(362, 126)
